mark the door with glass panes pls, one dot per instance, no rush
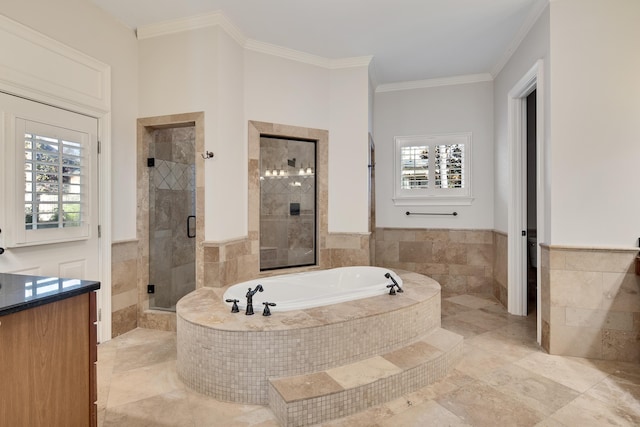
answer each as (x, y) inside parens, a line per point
(49, 191)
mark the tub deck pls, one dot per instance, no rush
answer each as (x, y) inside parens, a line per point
(205, 307)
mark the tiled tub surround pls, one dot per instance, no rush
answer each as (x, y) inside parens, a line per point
(233, 261)
(232, 356)
(590, 303)
(462, 261)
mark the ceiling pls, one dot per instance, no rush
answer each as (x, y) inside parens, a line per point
(408, 39)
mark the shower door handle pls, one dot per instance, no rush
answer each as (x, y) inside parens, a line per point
(189, 235)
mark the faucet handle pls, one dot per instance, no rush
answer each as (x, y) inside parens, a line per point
(392, 289)
(234, 307)
(267, 311)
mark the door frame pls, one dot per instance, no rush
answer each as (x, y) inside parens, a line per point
(516, 247)
(88, 93)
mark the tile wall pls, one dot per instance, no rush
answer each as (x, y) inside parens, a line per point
(234, 261)
(500, 264)
(124, 293)
(590, 303)
(462, 261)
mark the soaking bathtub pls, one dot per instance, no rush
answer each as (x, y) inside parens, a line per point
(299, 291)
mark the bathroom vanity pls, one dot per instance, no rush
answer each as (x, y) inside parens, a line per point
(48, 350)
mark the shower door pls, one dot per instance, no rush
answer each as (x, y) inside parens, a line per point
(172, 222)
(287, 202)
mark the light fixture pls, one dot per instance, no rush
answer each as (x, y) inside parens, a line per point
(267, 172)
(301, 171)
(309, 170)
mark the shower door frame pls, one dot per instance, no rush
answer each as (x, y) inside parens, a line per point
(321, 136)
(146, 126)
(294, 168)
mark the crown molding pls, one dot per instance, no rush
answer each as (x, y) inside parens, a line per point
(373, 75)
(529, 22)
(355, 61)
(285, 52)
(219, 19)
(192, 23)
(445, 81)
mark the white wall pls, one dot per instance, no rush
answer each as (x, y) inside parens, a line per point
(287, 92)
(202, 70)
(284, 91)
(206, 70)
(83, 26)
(442, 109)
(179, 73)
(535, 46)
(349, 151)
(595, 117)
(226, 175)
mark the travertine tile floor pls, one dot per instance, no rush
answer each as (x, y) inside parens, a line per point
(504, 379)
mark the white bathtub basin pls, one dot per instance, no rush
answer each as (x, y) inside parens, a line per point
(313, 289)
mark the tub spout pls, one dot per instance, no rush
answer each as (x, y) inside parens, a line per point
(392, 287)
(250, 295)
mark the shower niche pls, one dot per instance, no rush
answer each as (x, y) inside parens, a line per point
(287, 202)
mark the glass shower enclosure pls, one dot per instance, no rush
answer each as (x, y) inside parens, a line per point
(172, 221)
(287, 202)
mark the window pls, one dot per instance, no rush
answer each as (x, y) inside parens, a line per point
(53, 182)
(432, 170)
(53, 189)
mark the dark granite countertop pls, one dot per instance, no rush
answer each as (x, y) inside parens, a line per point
(20, 292)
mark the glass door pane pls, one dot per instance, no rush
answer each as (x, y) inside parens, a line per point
(287, 202)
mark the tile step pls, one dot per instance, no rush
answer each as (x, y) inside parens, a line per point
(321, 396)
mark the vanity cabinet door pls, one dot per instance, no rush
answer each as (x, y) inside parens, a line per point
(46, 367)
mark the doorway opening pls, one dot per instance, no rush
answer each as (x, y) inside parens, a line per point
(532, 217)
(526, 220)
(372, 200)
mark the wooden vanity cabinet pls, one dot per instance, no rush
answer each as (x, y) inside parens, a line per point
(47, 364)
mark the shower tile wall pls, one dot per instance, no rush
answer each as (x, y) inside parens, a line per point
(171, 202)
(287, 238)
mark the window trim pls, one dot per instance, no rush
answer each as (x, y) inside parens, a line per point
(433, 196)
